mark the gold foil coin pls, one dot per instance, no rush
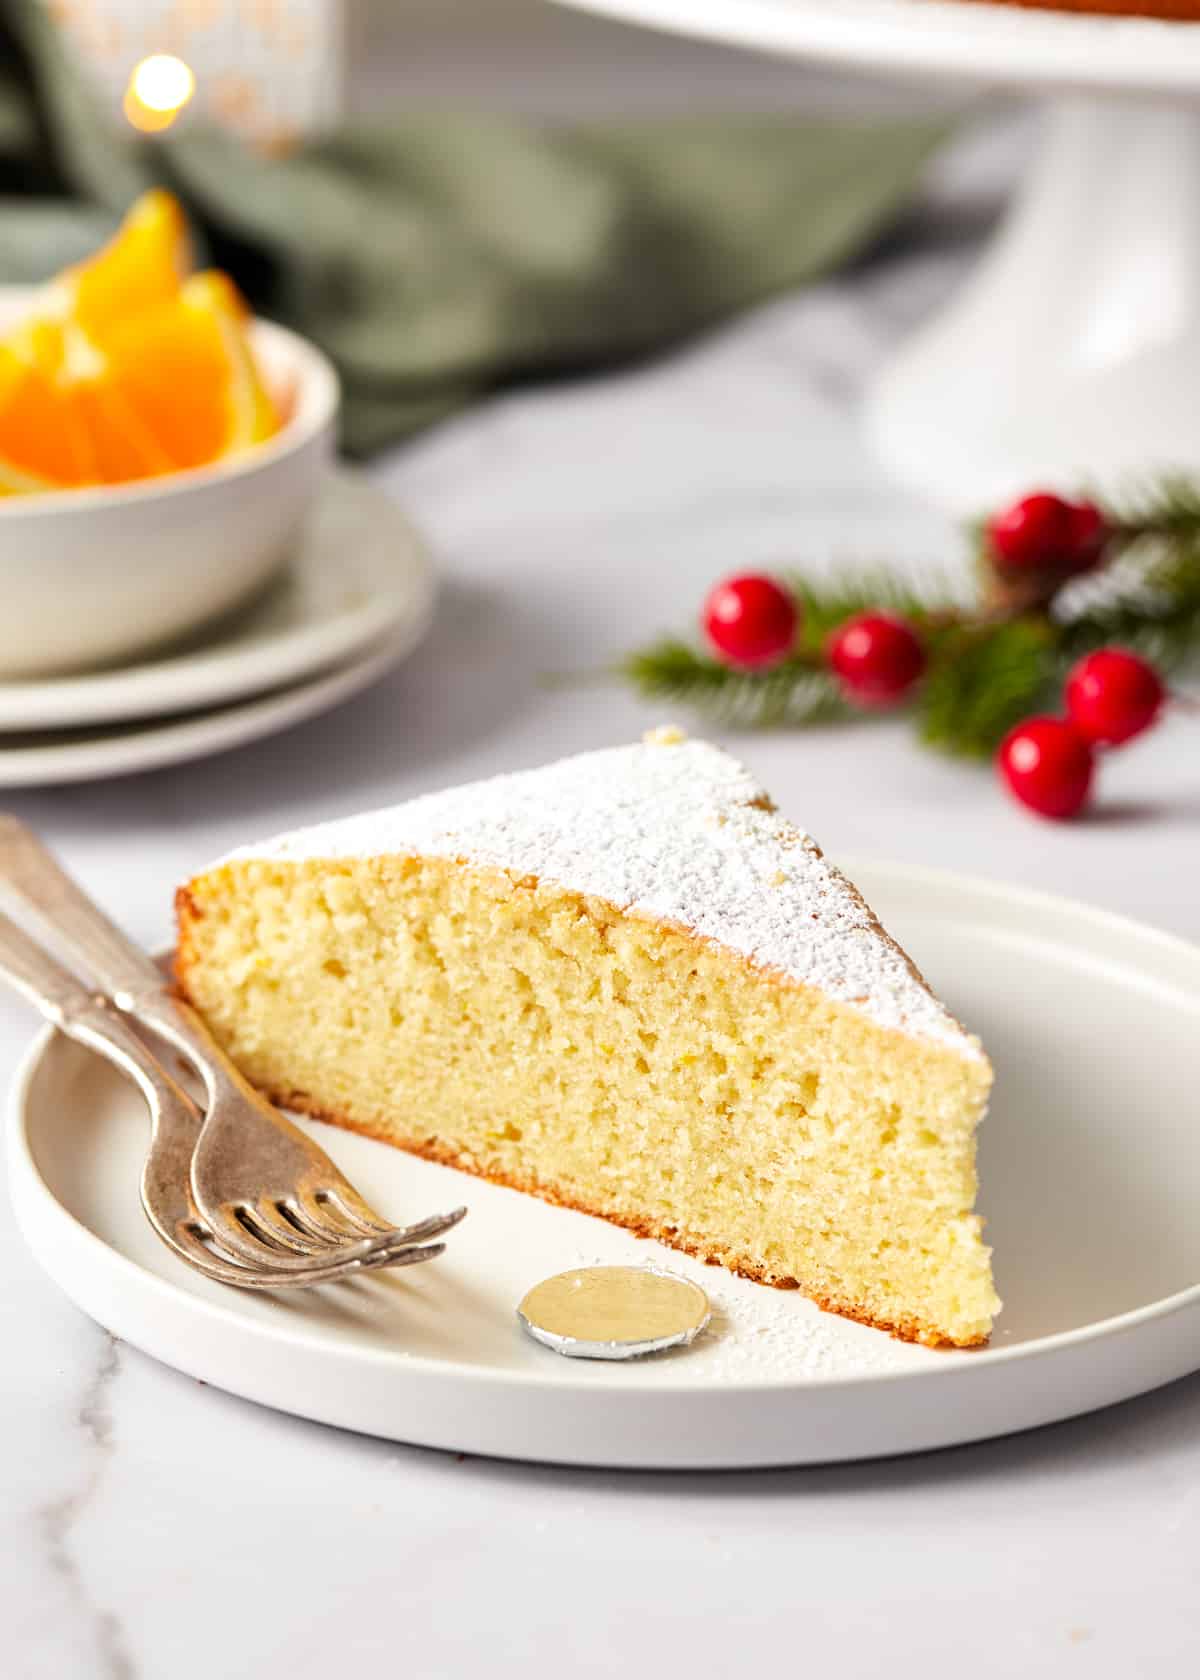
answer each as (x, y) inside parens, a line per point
(614, 1312)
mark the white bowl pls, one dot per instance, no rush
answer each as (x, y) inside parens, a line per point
(88, 576)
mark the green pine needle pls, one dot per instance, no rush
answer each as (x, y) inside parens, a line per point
(982, 680)
(825, 605)
(1168, 506)
(1151, 605)
(791, 693)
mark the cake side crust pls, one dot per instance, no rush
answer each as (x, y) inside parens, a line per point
(446, 1155)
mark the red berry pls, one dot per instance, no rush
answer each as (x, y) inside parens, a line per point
(1113, 695)
(1029, 535)
(1047, 765)
(1089, 533)
(1045, 533)
(877, 657)
(751, 621)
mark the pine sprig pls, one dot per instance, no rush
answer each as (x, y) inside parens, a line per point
(1167, 507)
(829, 603)
(983, 679)
(991, 663)
(792, 693)
(1151, 605)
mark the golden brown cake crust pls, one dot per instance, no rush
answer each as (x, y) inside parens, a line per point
(434, 1149)
(187, 911)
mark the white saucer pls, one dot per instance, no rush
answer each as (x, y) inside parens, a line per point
(123, 750)
(1091, 1180)
(349, 584)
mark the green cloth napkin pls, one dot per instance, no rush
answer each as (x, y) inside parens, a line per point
(437, 255)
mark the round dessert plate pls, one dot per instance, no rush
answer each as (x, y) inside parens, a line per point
(356, 574)
(1090, 1168)
(974, 42)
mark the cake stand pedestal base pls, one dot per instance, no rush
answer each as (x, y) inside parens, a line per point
(1073, 354)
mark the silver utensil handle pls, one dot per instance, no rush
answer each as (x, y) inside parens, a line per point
(68, 1004)
(43, 886)
(124, 971)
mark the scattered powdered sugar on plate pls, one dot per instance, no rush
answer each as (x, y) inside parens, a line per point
(759, 1334)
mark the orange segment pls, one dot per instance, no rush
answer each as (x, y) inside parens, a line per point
(122, 446)
(141, 267)
(43, 440)
(65, 418)
(188, 373)
(253, 414)
(132, 369)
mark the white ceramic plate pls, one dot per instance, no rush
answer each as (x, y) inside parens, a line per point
(126, 750)
(1091, 1181)
(87, 755)
(978, 43)
(350, 583)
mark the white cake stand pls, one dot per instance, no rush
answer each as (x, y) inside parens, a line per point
(1073, 352)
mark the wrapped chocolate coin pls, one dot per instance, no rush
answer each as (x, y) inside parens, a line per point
(614, 1312)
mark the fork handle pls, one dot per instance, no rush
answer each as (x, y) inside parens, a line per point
(40, 883)
(122, 969)
(79, 1013)
(58, 994)
(91, 1020)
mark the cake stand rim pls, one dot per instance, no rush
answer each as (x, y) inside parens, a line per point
(975, 43)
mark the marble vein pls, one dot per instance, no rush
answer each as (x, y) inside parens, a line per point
(57, 1519)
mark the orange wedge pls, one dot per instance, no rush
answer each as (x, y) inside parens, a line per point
(121, 445)
(132, 368)
(188, 373)
(44, 441)
(139, 269)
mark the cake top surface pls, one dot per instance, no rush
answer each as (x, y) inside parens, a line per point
(670, 828)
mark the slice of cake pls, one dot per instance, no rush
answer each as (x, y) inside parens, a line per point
(627, 984)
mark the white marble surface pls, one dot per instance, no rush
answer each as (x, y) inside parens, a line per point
(152, 1527)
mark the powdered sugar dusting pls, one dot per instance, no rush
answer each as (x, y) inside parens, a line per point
(757, 1334)
(674, 829)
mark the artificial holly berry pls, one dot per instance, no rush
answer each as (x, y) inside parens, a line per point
(877, 658)
(1089, 531)
(1047, 765)
(1044, 533)
(751, 621)
(1113, 695)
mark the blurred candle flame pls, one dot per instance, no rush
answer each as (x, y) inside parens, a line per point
(159, 88)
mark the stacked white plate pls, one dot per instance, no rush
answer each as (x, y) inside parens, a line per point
(354, 598)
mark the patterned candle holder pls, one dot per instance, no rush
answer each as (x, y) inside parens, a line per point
(270, 70)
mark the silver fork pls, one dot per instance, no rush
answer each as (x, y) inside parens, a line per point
(271, 1195)
(175, 1126)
